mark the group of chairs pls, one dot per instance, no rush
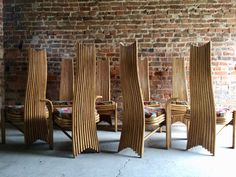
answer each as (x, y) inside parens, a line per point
(85, 100)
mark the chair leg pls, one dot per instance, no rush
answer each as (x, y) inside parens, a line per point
(116, 120)
(168, 127)
(234, 129)
(3, 128)
(187, 124)
(50, 135)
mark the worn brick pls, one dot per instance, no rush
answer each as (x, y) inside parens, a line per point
(164, 29)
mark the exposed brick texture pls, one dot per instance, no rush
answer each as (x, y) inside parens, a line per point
(164, 29)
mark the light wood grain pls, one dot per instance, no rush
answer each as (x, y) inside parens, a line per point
(36, 121)
(202, 130)
(103, 86)
(179, 91)
(179, 83)
(143, 67)
(66, 80)
(133, 125)
(134, 122)
(84, 135)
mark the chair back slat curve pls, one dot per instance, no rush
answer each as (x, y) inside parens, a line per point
(103, 79)
(66, 81)
(133, 126)
(84, 132)
(202, 129)
(179, 82)
(143, 66)
(35, 118)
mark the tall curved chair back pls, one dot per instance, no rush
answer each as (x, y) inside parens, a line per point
(133, 127)
(144, 78)
(202, 129)
(179, 91)
(179, 80)
(103, 79)
(67, 80)
(84, 135)
(35, 118)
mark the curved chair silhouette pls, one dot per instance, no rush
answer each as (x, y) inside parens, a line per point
(33, 118)
(203, 115)
(66, 84)
(105, 106)
(143, 68)
(136, 116)
(179, 92)
(81, 118)
(67, 80)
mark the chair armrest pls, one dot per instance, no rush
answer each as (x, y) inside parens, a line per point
(98, 97)
(49, 104)
(169, 101)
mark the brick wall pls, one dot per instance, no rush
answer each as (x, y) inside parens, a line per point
(164, 29)
(1, 57)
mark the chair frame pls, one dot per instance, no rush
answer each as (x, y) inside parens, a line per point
(202, 130)
(133, 128)
(103, 89)
(34, 120)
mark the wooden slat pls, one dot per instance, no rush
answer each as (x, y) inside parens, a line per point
(35, 117)
(103, 79)
(143, 70)
(179, 84)
(66, 82)
(103, 89)
(133, 126)
(179, 90)
(202, 130)
(84, 135)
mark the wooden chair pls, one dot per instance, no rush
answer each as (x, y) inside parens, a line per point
(204, 116)
(33, 118)
(180, 104)
(66, 84)
(81, 118)
(105, 106)
(67, 80)
(143, 71)
(136, 116)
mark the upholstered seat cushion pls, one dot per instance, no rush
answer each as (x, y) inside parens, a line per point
(152, 112)
(179, 102)
(105, 106)
(16, 112)
(61, 103)
(104, 102)
(223, 114)
(148, 103)
(15, 109)
(66, 113)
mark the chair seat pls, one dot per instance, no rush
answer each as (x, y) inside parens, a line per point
(105, 105)
(151, 103)
(63, 117)
(180, 102)
(15, 113)
(179, 108)
(152, 112)
(154, 115)
(223, 115)
(62, 103)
